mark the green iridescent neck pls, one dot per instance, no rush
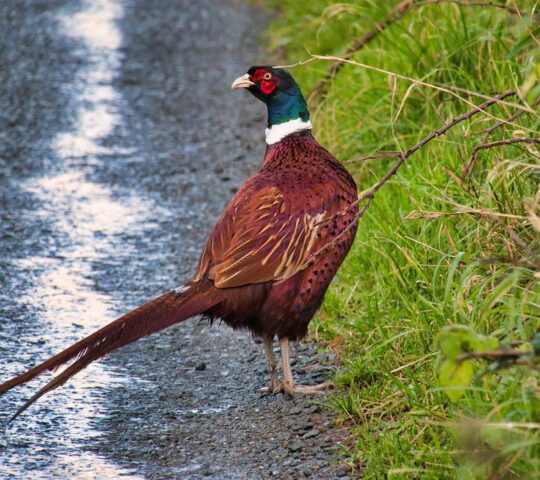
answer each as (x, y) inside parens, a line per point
(287, 105)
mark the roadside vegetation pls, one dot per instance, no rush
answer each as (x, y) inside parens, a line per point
(435, 314)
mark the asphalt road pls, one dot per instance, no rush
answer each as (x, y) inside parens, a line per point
(120, 144)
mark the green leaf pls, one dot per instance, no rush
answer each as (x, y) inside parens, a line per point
(455, 340)
(455, 376)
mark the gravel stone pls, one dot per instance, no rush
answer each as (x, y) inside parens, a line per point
(295, 447)
(311, 434)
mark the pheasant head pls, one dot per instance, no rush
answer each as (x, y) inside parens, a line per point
(287, 109)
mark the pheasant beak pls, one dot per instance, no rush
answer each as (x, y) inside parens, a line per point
(242, 82)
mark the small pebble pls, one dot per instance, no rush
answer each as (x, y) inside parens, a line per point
(295, 447)
(311, 433)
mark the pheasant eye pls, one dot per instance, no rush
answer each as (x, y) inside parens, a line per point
(267, 76)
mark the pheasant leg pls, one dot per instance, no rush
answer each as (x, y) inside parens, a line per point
(288, 386)
(272, 366)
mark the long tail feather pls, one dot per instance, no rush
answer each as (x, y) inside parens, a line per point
(157, 314)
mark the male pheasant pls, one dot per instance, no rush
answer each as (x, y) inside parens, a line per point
(270, 257)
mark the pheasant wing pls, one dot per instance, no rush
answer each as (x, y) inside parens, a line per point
(259, 238)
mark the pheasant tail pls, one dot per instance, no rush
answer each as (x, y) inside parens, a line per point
(155, 315)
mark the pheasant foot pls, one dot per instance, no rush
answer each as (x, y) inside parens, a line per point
(286, 387)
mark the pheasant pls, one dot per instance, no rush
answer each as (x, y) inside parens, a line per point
(269, 260)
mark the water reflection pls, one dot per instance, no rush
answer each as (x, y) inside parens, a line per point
(48, 441)
(89, 218)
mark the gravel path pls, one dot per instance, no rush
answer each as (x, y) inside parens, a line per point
(121, 143)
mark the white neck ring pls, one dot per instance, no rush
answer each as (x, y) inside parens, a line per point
(278, 132)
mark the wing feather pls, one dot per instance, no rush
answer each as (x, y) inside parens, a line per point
(261, 237)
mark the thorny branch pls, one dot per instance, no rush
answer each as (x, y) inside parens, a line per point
(386, 154)
(369, 194)
(400, 11)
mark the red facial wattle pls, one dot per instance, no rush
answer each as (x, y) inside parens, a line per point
(267, 87)
(264, 80)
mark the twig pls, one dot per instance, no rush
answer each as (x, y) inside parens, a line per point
(469, 189)
(497, 218)
(499, 355)
(400, 11)
(517, 262)
(461, 210)
(509, 120)
(437, 133)
(511, 10)
(502, 358)
(494, 218)
(469, 166)
(387, 154)
(369, 194)
(449, 89)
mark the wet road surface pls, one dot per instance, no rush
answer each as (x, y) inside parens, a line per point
(120, 144)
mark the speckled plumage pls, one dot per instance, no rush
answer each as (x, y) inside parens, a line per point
(261, 248)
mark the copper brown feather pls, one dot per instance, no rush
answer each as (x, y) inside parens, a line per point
(258, 270)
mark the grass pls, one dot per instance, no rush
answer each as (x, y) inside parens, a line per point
(431, 252)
